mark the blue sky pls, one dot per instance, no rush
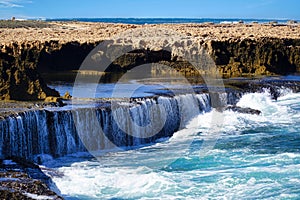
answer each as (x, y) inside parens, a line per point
(271, 9)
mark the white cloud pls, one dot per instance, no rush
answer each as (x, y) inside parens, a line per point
(261, 3)
(13, 3)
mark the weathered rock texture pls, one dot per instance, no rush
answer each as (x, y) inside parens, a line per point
(21, 64)
(264, 56)
(22, 179)
(19, 79)
(235, 51)
(259, 57)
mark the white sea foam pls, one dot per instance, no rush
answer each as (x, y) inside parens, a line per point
(228, 173)
(262, 102)
(95, 181)
(38, 197)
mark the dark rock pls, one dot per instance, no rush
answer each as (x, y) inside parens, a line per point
(20, 177)
(6, 193)
(243, 110)
(273, 86)
(273, 22)
(292, 22)
(19, 78)
(58, 56)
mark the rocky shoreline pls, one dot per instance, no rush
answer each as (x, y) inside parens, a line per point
(21, 179)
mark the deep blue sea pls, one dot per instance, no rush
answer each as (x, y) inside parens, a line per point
(168, 20)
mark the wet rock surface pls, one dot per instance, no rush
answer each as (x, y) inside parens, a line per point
(243, 110)
(273, 85)
(21, 179)
(14, 108)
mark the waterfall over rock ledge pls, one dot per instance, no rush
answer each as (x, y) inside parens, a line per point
(57, 132)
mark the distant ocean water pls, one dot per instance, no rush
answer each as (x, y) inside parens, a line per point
(168, 20)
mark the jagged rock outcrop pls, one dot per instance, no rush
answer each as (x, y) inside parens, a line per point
(21, 64)
(19, 78)
(258, 57)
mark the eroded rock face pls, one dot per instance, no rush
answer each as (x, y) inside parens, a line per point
(19, 79)
(233, 57)
(20, 63)
(258, 57)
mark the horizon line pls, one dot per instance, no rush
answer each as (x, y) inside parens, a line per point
(250, 18)
(196, 18)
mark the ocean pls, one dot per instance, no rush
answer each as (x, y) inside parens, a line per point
(243, 156)
(169, 20)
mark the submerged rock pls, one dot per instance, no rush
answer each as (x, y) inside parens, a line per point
(243, 110)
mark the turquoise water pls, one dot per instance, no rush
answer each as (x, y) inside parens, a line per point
(248, 157)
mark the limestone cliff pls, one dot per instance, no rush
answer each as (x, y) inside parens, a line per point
(233, 57)
(263, 56)
(21, 63)
(19, 77)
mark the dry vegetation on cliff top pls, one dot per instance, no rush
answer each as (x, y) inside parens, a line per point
(20, 31)
(11, 24)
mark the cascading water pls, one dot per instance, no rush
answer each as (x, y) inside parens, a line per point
(58, 132)
(254, 157)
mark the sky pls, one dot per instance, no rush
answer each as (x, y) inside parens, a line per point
(244, 9)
